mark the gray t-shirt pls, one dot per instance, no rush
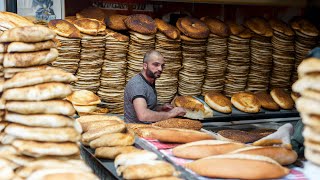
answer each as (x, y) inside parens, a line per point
(138, 87)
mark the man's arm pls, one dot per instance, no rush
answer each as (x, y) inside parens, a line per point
(146, 115)
(165, 107)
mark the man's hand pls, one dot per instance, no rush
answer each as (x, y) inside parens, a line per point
(166, 107)
(177, 111)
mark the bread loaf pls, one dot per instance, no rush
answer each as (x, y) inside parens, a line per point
(27, 34)
(246, 102)
(29, 47)
(238, 136)
(84, 98)
(266, 101)
(218, 102)
(97, 124)
(115, 139)
(179, 123)
(90, 118)
(113, 152)
(15, 19)
(282, 98)
(195, 109)
(64, 28)
(134, 158)
(99, 132)
(62, 173)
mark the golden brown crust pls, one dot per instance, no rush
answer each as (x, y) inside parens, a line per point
(92, 13)
(304, 26)
(116, 35)
(216, 26)
(240, 136)
(282, 27)
(189, 102)
(116, 22)
(167, 29)
(193, 27)
(64, 28)
(295, 95)
(282, 98)
(83, 98)
(218, 102)
(15, 19)
(246, 102)
(90, 26)
(259, 26)
(179, 123)
(266, 101)
(239, 30)
(141, 23)
(70, 19)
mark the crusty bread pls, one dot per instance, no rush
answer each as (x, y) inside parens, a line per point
(116, 22)
(179, 123)
(238, 136)
(205, 148)
(29, 47)
(64, 28)
(174, 135)
(307, 66)
(115, 139)
(266, 101)
(90, 118)
(85, 109)
(70, 19)
(10, 72)
(15, 19)
(83, 98)
(97, 124)
(282, 155)
(27, 34)
(282, 98)
(96, 133)
(167, 29)
(239, 30)
(238, 166)
(113, 152)
(304, 26)
(281, 27)
(27, 59)
(92, 13)
(97, 111)
(89, 26)
(246, 102)
(134, 157)
(218, 102)
(259, 26)
(141, 23)
(195, 109)
(216, 26)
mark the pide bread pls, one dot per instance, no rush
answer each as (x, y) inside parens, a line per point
(115, 139)
(134, 157)
(90, 118)
(27, 34)
(174, 135)
(259, 26)
(6, 169)
(116, 22)
(20, 160)
(195, 109)
(246, 102)
(83, 98)
(205, 148)
(167, 29)
(141, 23)
(98, 132)
(38, 92)
(280, 26)
(308, 66)
(26, 59)
(29, 47)
(216, 26)
(64, 28)
(218, 102)
(193, 27)
(39, 149)
(40, 120)
(92, 13)
(10, 72)
(238, 136)
(15, 19)
(8, 149)
(62, 134)
(97, 124)
(113, 152)
(304, 26)
(179, 123)
(89, 26)
(239, 30)
(238, 166)
(3, 125)
(282, 98)
(6, 138)
(266, 101)
(282, 155)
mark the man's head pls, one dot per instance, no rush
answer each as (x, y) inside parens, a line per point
(153, 64)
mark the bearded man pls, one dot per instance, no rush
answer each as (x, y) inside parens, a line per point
(140, 95)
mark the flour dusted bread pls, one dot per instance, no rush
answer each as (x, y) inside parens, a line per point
(134, 158)
(195, 109)
(205, 148)
(10, 72)
(89, 26)
(38, 92)
(27, 34)
(29, 47)
(15, 19)
(238, 166)
(266, 101)
(113, 152)
(115, 139)
(98, 132)
(246, 102)
(40, 120)
(218, 102)
(83, 98)
(282, 98)
(38, 77)
(97, 124)
(26, 59)
(91, 118)
(63, 134)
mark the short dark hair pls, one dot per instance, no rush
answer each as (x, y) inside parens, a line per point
(151, 54)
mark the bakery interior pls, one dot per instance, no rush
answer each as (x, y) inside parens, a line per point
(247, 72)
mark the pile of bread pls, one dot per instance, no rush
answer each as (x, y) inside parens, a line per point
(10, 20)
(109, 136)
(38, 138)
(308, 105)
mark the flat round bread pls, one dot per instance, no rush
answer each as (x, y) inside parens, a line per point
(218, 102)
(282, 98)
(246, 102)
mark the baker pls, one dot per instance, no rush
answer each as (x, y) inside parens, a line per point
(140, 95)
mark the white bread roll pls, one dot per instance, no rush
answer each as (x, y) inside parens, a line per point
(134, 157)
(20, 160)
(246, 102)
(85, 109)
(40, 149)
(238, 166)
(64, 134)
(96, 133)
(205, 148)
(282, 155)
(61, 107)
(116, 139)
(218, 102)
(97, 124)
(90, 118)
(174, 135)
(113, 152)
(30, 47)
(83, 98)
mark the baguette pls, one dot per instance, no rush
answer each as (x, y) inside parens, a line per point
(116, 139)
(179, 123)
(205, 148)
(113, 152)
(238, 166)
(96, 133)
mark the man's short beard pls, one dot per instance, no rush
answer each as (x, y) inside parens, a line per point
(150, 74)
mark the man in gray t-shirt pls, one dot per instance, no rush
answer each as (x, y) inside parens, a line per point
(140, 95)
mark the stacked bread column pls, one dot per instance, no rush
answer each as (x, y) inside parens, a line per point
(168, 44)
(39, 125)
(194, 41)
(113, 73)
(216, 58)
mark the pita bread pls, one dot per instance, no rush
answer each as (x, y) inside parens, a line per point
(84, 98)
(17, 159)
(10, 72)
(38, 92)
(40, 120)
(29, 47)
(39, 149)
(64, 134)
(8, 149)
(30, 58)
(27, 34)
(38, 77)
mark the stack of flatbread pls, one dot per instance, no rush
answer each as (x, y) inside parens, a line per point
(168, 44)
(113, 73)
(238, 62)
(309, 106)
(37, 123)
(69, 45)
(306, 39)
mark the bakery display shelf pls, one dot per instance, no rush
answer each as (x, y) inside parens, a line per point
(300, 3)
